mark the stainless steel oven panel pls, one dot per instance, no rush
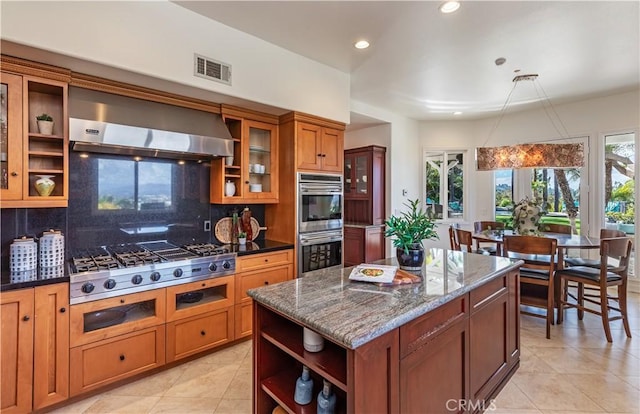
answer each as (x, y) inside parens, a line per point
(326, 242)
(319, 185)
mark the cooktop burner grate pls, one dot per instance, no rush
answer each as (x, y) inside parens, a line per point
(206, 249)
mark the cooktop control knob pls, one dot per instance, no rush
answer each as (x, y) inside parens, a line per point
(213, 267)
(109, 284)
(178, 272)
(226, 265)
(155, 276)
(136, 280)
(87, 287)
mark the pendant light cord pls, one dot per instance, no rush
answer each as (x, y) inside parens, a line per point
(502, 112)
(538, 87)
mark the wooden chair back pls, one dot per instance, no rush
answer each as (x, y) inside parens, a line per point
(619, 249)
(452, 239)
(479, 226)
(611, 233)
(535, 272)
(464, 238)
(557, 228)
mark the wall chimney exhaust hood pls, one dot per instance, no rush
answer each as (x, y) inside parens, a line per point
(114, 124)
(103, 137)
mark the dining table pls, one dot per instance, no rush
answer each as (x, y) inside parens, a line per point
(565, 241)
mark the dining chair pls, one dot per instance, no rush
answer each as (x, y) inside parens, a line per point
(602, 278)
(479, 227)
(604, 234)
(556, 228)
(536, 277)
(452, 239)
(464, 241)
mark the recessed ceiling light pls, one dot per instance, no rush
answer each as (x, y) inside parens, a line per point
(449, 6)
(361, 44)
(457, 113)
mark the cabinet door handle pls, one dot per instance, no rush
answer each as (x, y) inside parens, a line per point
(203, 333)
(26, 318)
(246, 182)
(121, 357)
(63, 310)
(14, 174)
(319, 155)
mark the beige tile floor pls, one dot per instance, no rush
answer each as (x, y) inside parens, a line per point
(576, 371)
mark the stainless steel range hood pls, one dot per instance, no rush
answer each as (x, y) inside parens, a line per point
(106, 123)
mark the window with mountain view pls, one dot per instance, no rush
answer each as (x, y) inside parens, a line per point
(134, 185)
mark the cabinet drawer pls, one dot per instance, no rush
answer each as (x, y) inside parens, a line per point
(196, 298)
(259, 278)
(259, 261)
(192, 335)
(108, 318)
(420, 331)
(488, 292)
(103, 362)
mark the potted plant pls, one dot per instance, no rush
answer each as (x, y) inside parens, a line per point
(409, 230)
(45, 124)
(242, 238)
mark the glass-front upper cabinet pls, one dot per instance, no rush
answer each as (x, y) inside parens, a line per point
(11, 137)
(356, 174)
(261, 169)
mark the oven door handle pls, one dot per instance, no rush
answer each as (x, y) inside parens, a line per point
(312, 191)
(307, 241)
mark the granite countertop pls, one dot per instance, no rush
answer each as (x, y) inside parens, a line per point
(23, 280)
(353, 313)
(259, 246)
(361, 225)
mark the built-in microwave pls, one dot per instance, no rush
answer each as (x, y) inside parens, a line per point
(320, 202)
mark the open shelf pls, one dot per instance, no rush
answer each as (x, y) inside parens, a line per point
(330, 363)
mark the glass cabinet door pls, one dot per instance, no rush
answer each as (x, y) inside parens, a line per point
(261, 168)
(362, 167)
(11, 137)
(347, 175)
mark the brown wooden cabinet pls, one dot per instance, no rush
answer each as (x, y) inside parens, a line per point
(255, 271)
(319, 148)
(199, 316)
(255, 159)
(35, 347)
(473, 339)
(363, 244)
(27, 153)
(364, 204)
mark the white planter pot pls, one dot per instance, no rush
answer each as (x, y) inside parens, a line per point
(45, 127)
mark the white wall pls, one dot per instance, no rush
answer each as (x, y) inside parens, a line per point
(590, 117)
(159, 38)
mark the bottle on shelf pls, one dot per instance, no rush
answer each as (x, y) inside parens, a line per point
(304, 388)
(326, 399)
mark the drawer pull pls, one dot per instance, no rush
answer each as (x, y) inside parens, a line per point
(266, 260)
(204, 284)
(121, 357)
(203, 333)
(63, 310)
(26, 318)
(121, 300)
(266, 282)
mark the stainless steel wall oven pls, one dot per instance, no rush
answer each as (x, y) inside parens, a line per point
(319, 250)
(320, 202)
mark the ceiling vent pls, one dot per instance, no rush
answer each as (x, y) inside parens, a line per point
(211, 69)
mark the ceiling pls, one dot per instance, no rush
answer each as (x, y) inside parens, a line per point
(427, 65)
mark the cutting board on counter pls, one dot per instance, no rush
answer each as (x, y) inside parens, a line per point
(223, 229)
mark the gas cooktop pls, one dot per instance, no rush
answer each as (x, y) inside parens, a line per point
(127, 268)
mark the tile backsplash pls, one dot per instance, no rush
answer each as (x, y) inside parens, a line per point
(114, 199)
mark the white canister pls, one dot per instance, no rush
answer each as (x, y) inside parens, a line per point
(229, 189)
(312, 341)
(51, 253)
(23, 255)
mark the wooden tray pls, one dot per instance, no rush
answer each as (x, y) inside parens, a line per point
(223, 229)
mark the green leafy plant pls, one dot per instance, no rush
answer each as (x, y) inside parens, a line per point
(242, 235)
(411, 227)
(44, 117)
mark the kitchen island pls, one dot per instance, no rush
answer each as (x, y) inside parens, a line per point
(446, 344)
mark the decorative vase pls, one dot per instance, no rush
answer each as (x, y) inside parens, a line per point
(229, 160)
(326, 399)
(526, 217)
(229, 189)
(304, 388)
(242, 241)
(413, 260)
(44, 185)
(45, 127)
